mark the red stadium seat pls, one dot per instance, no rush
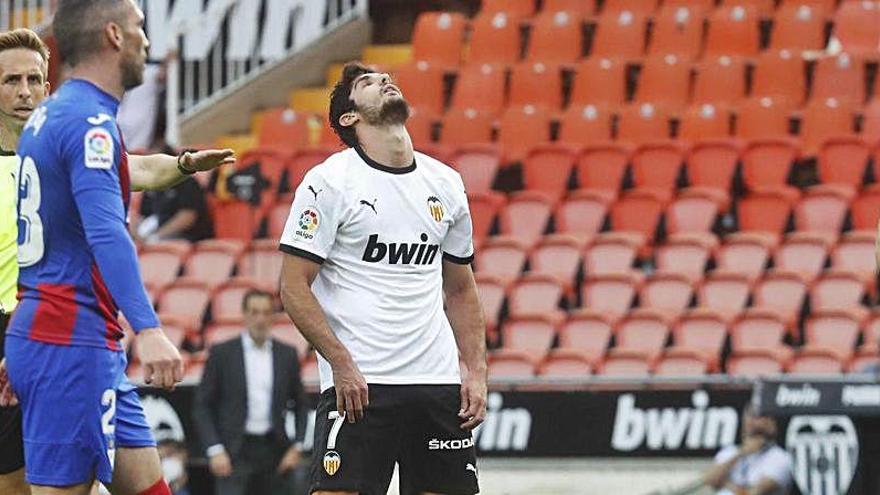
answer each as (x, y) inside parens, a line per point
(510, 365)
(466, 127)
(160, 264)
(626, 363)
(536, 83)
(186, 299)
(704, 121)
(768, 163)
(761, 7)
(211, 266)
(857, 27)
(620, 33)
(558, 256)
(733, 30)
(602, 167)
(726, 293)
(685, 255)
(599, 80)
(284, 129)
(703, 331)
(843, 161)
(478, 166)
(643, 330)
(754, 364)
(866, 359)
(277, 219)
(667, 292)
(216, 333)
(720, 80)
(871, 330)
(763, 118)
(645, 7)
(518, 9)
(480, 87)
(587, 333)
(492, 292)
(611, 254)
(804, 253)
(842, 77)
(783, 292)
(781, 76)
(585, 125)
(798, 28)
(693, 212)
(556, 37)
(682, 363)
(226, 300)
(871, 122)
(764, 211)
(757, 329)
(582, 214)
(746, 254)
(642, 123)
(581, 7)
(637, 211)
(816, 361)
(237, 220)
(422, 84)
(285, 332)
(611, 295)
(548, 168)
(712, 164)
(866, 209)
(825, 5)
(565, 364)
(522, 128)
(438, 38)
(535, 295)
(678, 30)
(532, 205)
(823, 209)
(533, 334)
(657, 166)
(665, 81)
(502, 257)
(495, 38)
(836, 329)
(823, 120)
(855, 254)
(837, 289)
(484, 210)
(704, 5)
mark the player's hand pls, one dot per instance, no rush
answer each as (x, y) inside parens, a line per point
(220, 465)
(352, 395)
(291, 459)
(163, 366)
(7, 396)
(201, 161)
(473, 400)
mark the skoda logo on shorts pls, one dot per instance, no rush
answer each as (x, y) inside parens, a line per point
(331, 462)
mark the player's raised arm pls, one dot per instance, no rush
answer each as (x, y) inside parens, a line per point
(161, 171)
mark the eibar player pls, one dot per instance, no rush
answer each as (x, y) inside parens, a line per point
(81, 417)
(377, 236)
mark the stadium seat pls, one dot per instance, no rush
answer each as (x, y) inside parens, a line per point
(226, 300)
(720, 80)
(623, 363)
(420, 126)
(642, 122)
(492, 292)
(438, 38)
(855, 253)
(484, 210)
(284, 129)
(510, 365)
(746, 254)
(558, 256)
(284, 331)
(804, 253)
(725, 293)
(685, 254)
(277, 219)
(664, 81)
(733, 30)
(768, 163)
(585, 125)
(783, 292)
(766, 211)
(535, 295)
(693, 212)
(561, 363)
(866, 359)
(871, 330)
(465, 127)
(825, 5)
(843, 161)
(704, 121)
(235, 247)
(703, 5)
(556, 38)
(703, 331)
(763, 118)
(186, 299)
(761, 7)
(611, 254)
(495, 38)
(754, 364)
(823, 209)
(780, 75)
(816, 361)
(621, 34)
(518, 9)
(262, 262)
(837, 289)
(271, 162)
(682, 363)
(304, 160)
(160, 265)
(211, 266)
(422, 83)
(836, 329)
(582, 214)
(603, 167)
(842, 77)
(521, 128)
(480, 87)
(871, 121)
(667, 292)
(583, 8)
(533, 335)
(637, 211)
(645, 330)
(478, 165)
(193, 370)
(644, 7)
(586, 332)
(857, 27)
(657, 166)
(599, 80)
(823, 120)
(611, 294)
(712, 164)
(503, 257)
(866, 209)
(536, 83)
(238, 220)
(535, 206)
(678, 30)
(757, 329)
(798, 28)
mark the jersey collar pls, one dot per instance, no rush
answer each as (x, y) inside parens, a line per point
(384, 168)
(104, 96)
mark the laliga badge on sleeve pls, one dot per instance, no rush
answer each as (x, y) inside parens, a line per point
(98, 146)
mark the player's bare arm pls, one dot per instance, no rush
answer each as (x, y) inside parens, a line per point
(297, 275)
(466, 317)
(160, 171)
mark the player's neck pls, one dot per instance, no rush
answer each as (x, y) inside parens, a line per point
(388, 145)
(9, 132)
(95, 72)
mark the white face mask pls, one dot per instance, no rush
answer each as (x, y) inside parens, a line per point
(172, 469)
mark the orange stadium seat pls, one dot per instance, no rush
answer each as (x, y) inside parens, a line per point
(780, 75)
(532, 334)
(665, 81)
(478, 166)
(726, 293)
(535, 295)
(684, 255)
(657, 166)
(757, 329)
(643, 330)
(271, 162)
(703, 331)
(682, 363)
(585, 125)
(783, 292)
(484, 210)
(587, 333)
(536, 83)
(642, 122)
(226, 301)
(764, 211)
(262, 262)
(626, 363)
(612, 295)
(712, 164)
(704, 121)
(558, 256)
(556, 38)
(510, 365)
(678, 30)
(857, 27)
(693, 212)
(186, 299)
(843, 161)
(823, 120)
(825, 5)
(599, 80)
(816, 361)
(234, 220)
(754, 364)
(495, 38)
(762, 118)
(798, 28)
(548, 168)
(637, 211)
(466, 126)
(533, 206)
(422, 84)
(620, 33)
(644, 7)
(521, 128)
(216, 333)
(720, 80)
(746, 254)
(492, 292)
(438, 38)
(871, 121)
(667, 292)
(516, 8)
(277, 219)
(160, 265)
(823, 209)
(481, 87)
(842, 77)
(733, 30)
(866, 209)
(582, 214)
(285, 129)
(761, 7)
(502, 257)
(837, 289)
(565, 364)
(610, 254)
(704, 5)
(304, 160)
(768, 163)
(804, 253)
(420, 126)
(603, 167)
(855, 253)
(581, 7)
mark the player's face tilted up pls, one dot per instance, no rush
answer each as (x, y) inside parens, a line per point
(378, 237)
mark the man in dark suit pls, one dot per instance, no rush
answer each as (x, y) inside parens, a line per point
(248, 385)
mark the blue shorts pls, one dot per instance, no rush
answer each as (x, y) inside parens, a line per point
(78, 407)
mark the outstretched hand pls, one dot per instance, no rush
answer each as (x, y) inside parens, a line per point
(204, 160)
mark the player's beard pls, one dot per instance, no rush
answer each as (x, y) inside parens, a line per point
(394, 111)
(132, 72)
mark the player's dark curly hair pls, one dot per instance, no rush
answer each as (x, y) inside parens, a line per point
(341, 102)
(78, 26)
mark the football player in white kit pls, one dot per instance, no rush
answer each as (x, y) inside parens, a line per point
(377, 238)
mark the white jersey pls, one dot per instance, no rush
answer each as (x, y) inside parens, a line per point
(773, 463)
(381, 234)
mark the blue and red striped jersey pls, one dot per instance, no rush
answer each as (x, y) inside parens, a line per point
(78, 263)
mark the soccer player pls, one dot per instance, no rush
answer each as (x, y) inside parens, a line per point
(377, 236)
(78, 267)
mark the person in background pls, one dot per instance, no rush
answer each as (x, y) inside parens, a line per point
(180, 212)
(247, 388)
(756, 467)
(174, 457)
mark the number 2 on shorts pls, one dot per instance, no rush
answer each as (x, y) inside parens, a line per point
(338, 421)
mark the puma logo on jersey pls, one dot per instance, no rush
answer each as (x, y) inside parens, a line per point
(402, 253)
(312, 189)
(371, 205)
